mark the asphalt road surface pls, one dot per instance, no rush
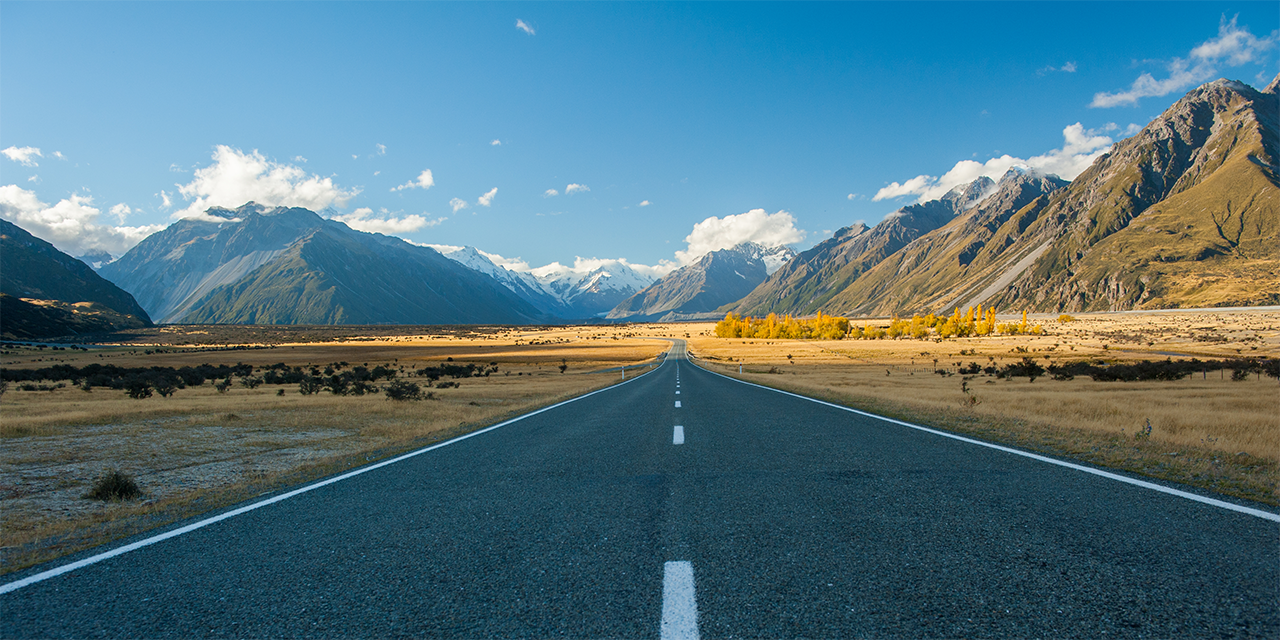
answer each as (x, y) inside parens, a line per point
(685, 504)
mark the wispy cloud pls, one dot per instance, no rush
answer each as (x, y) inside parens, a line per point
(576, 188)
(1233, 47)
(524, 26)
(121, 211)
(23, 155)
(382, 149)
(363, 219)
(424, 181)
(644, 203)
(1080, 148)
(72, 225)
(1069, 67)
(236, 177)
(458, 204)
(550, 193)
(496, 143)
(487, 199)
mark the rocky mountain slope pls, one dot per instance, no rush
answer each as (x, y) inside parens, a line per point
(290, 266)
(718, 278)
(65, 296)
(809, 281)
(1183, 214)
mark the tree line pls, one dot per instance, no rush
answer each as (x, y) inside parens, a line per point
(975, 321)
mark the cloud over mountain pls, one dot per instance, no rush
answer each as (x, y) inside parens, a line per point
(714, 233)
(72, 225)
(1079, 149)
(236, 177)
(1233, 47)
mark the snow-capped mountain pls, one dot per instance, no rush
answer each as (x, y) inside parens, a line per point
(696, 290)
(588, 289)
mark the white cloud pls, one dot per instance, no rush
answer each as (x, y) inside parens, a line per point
(362, 219)
(1233, 47)
(58, 155)
(549, 193)
(165, 200)
(712, 234)
(576, 188)
(34, 179)
(524, 26)
(1132, 129)
(121, 211)
(72, 225)
(458, 204)
(644, 204)
(1080, 148)
(496, 143)
(299, 159)
(487, 199)
(236, 177)
(174, 168)
(1069, 67)
(382, 149)
(23, 155)
(424, 181)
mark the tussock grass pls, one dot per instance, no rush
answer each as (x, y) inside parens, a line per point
(199, 449)
(1207, 431)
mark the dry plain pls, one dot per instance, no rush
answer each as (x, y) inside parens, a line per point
(202, 449)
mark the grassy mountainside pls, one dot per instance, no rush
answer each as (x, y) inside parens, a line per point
(1183, 214)
(68, 297)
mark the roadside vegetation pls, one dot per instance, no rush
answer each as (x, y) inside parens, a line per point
(1190, 397)
(117, 440)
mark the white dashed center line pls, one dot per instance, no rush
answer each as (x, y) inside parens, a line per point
(677, 435)
(679, 604)
(677, 404)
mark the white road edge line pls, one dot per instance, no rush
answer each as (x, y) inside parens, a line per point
(679, 602)
(1258, 513)
(118, 551)
(677, 435)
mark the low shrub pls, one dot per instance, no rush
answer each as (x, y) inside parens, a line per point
(114, 486)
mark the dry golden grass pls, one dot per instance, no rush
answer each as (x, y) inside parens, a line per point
(1210, 432)
(200, 449)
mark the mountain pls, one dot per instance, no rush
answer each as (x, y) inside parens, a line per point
(558, 291)
(592, 293)
(290, 266)
(524, 285)
(811, 279)
(955, 262)
(1184, 214)
(64, 296)
(697, 290)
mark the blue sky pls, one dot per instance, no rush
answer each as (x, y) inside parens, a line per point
(700, 110)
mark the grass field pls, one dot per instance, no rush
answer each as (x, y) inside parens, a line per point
(1206, 430)
(200, 449)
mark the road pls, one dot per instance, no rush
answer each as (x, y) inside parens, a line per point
(774, 517)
